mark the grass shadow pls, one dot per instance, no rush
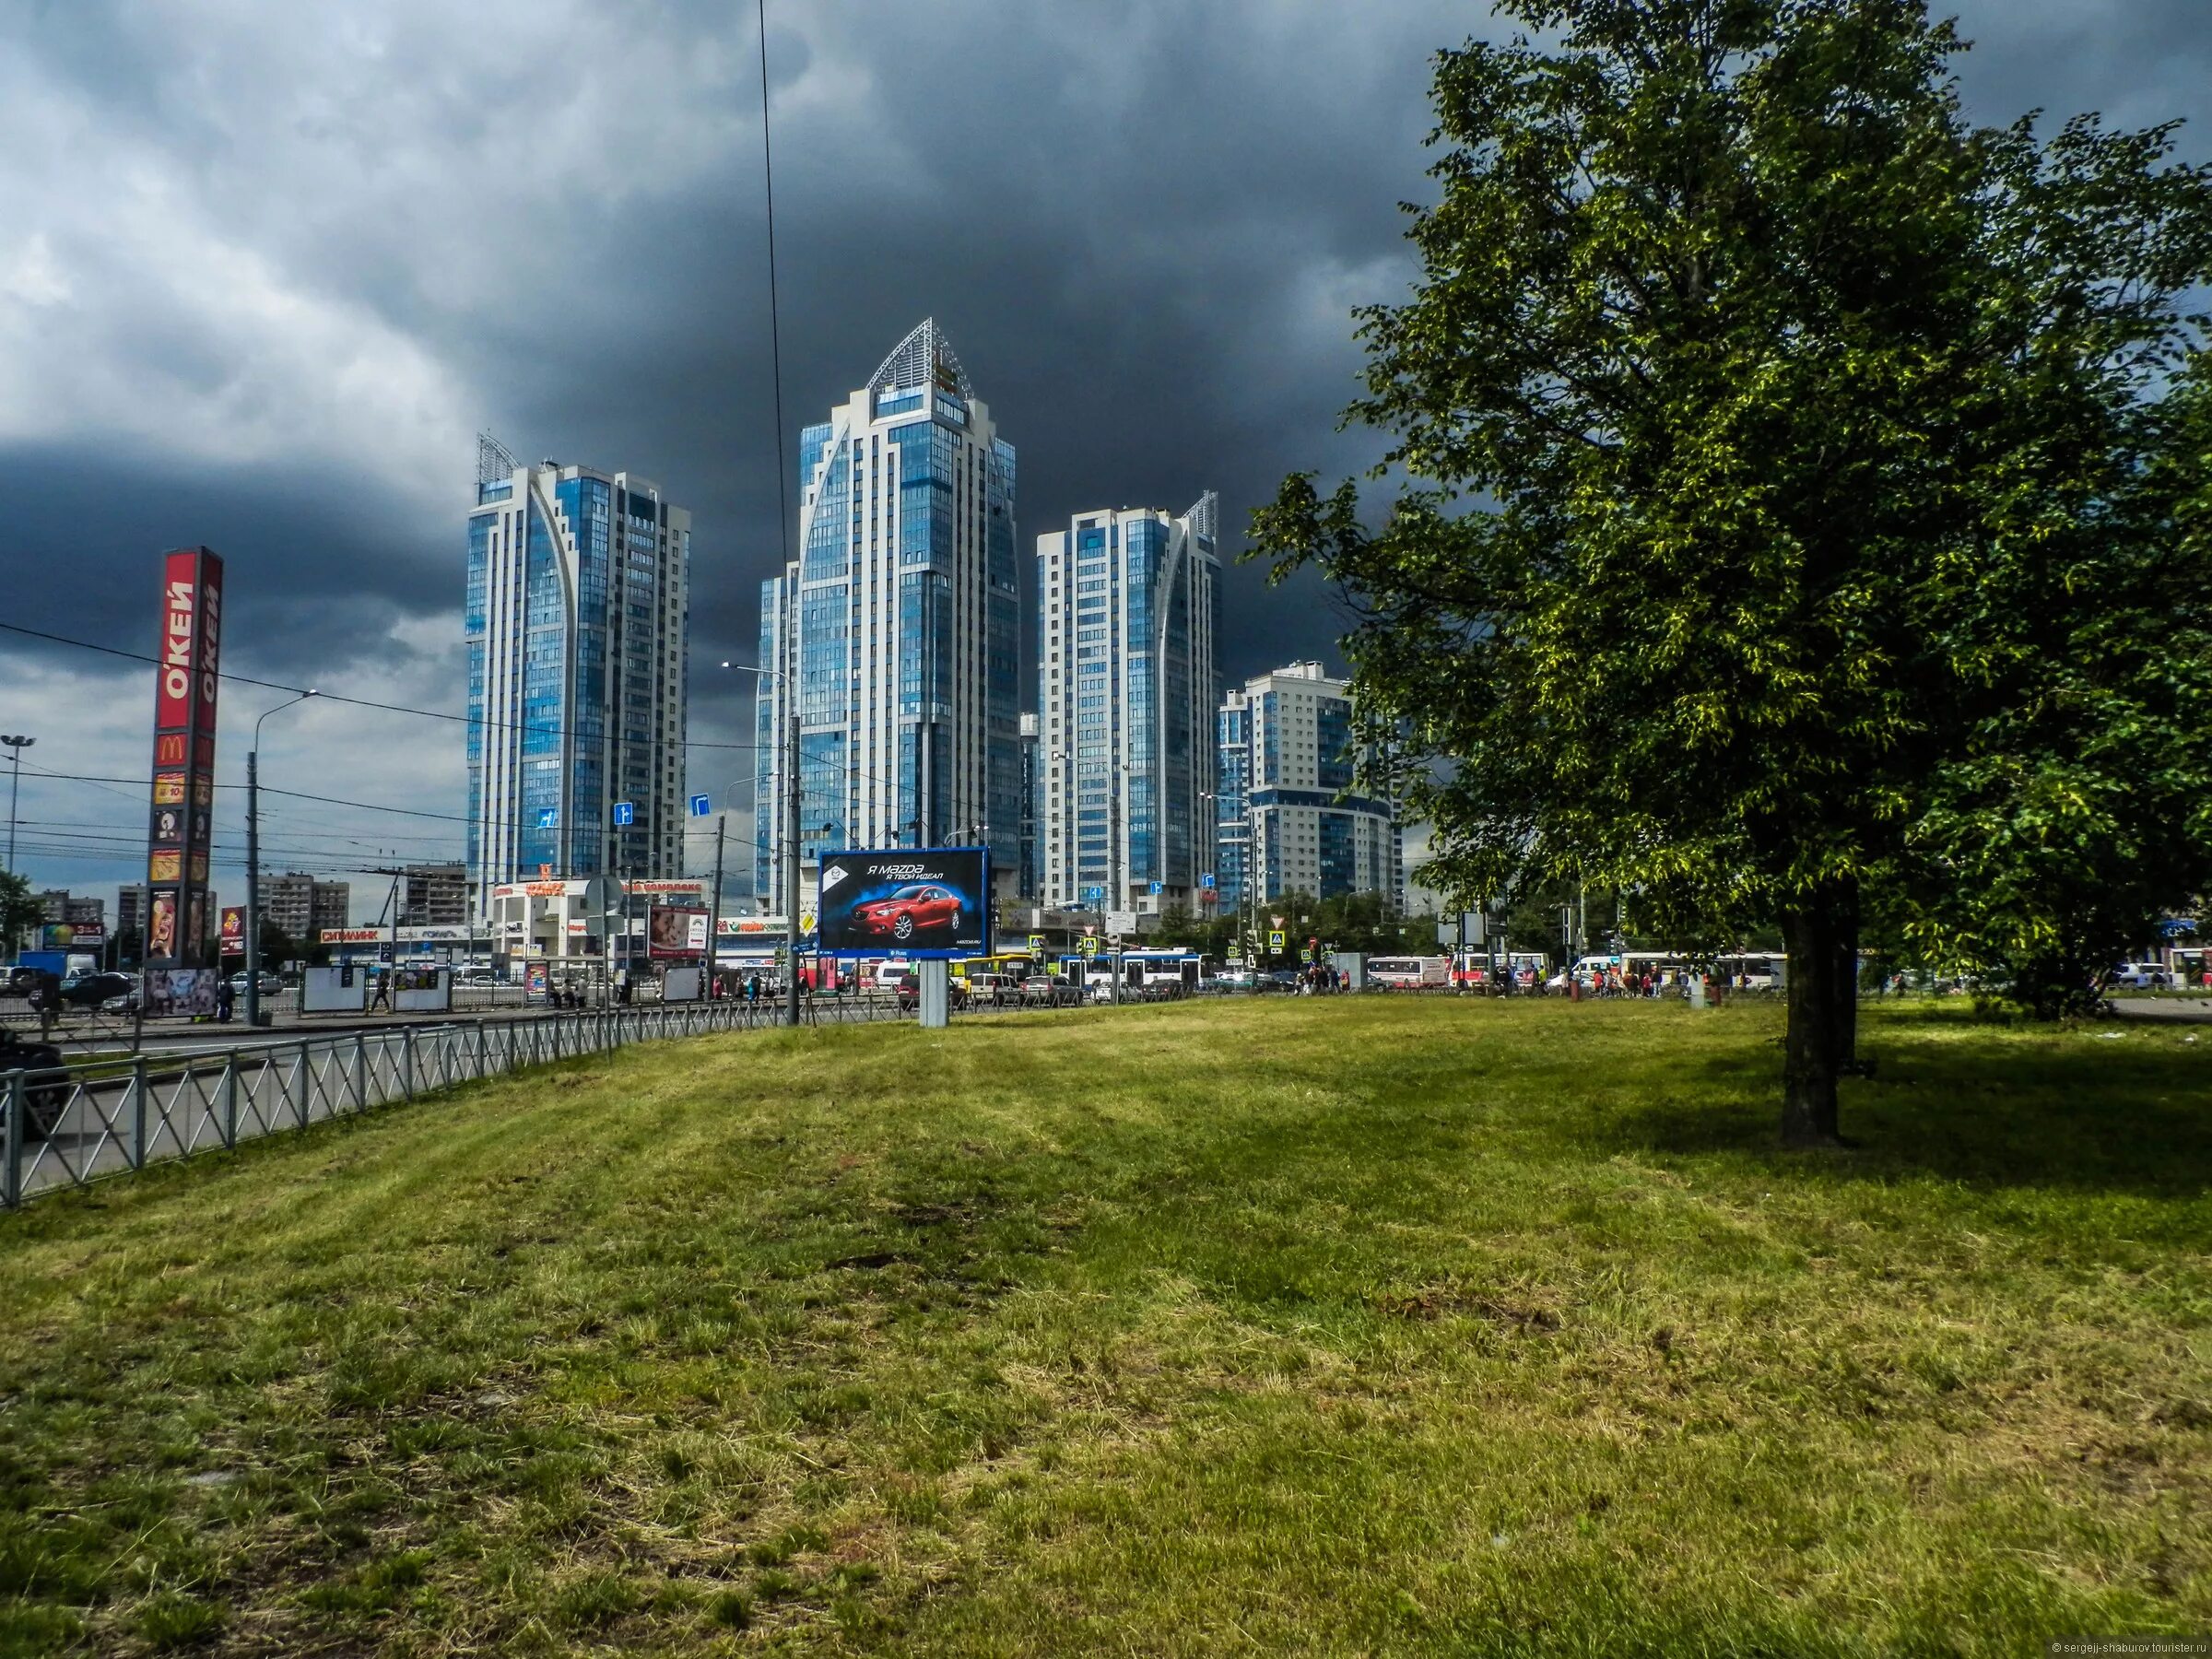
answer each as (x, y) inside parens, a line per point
(1972, 1104)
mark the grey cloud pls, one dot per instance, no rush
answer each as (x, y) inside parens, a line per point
(1142, 222)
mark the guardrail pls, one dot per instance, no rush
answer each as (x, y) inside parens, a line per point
(76, 1124)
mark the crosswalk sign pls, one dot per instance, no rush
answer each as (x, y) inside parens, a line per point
(1037, 945)
(1274, 940)
(1089, 945)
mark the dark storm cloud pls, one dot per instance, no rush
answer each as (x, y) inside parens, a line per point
(282, 264)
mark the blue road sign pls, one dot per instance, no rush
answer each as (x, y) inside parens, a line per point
(1206, 882)
(548, 817)
(625, 813)
(1094, 893)
(1155, 890)
(699, 806)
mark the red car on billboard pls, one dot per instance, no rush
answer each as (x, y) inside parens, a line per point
(920, 907)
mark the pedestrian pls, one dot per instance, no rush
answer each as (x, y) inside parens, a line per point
(224, 998)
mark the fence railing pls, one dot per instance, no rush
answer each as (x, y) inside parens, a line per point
(79, 1123)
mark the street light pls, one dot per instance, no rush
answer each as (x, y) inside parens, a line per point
(790, 836)
(252, 940)
(16, 746)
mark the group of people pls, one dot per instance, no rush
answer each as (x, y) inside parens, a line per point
(1318, 979)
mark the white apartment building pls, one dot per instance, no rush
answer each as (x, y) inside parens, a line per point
(898, 625)
(1129, 621)
(1291, 822)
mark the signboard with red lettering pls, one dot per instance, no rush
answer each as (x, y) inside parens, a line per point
(187, 677)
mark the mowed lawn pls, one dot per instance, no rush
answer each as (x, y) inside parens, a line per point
(1323, 1326)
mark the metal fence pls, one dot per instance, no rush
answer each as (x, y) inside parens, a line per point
(105, 1117)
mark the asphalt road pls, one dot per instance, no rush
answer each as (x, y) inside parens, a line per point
(2165, 1010)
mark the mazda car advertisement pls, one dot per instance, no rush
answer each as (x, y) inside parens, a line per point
(924, 901)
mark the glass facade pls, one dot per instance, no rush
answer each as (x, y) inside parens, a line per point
(1125, 701)
(576, 618)
(1291, 819)
(902, 618)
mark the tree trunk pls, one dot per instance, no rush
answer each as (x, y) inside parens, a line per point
(1812, 1045)
(1845, 914)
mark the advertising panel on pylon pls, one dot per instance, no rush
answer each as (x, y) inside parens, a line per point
(922, 902)
(187, 676)
(234, 930)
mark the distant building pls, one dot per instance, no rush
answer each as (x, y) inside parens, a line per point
(900, 626)
(1291, 822)
(300, 906)
(435, 895)
(1126, 698)
(578, 621)
(128, 904)
(58, 904)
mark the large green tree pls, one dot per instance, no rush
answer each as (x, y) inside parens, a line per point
(1758, 418)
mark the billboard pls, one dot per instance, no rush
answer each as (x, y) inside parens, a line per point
(924, 901)
(187, 676)
(676, 931)
(181, 991)
(71, 936)
(234, 930)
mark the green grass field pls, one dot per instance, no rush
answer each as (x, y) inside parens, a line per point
(1338, 1327)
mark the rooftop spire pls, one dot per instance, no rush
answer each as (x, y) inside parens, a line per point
(925, 357)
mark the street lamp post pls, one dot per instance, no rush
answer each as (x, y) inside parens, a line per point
(16, 746)
(790, 836)
(252, 940)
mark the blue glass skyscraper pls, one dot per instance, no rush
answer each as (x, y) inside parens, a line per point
(577, 619)
(898, 627)
(1126, 698)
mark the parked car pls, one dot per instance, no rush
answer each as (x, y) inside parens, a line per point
(997, 989)
(910, 992)
(1051, 991)
(2141, 976)
(922, 907)
(18, 982)
(270, 983)
(90, 990)
(45, 1091)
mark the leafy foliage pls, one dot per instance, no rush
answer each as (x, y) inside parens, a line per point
(19, 911)
(1776, 543)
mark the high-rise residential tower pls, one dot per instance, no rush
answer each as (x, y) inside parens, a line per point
(900, 621)
(1292, 820)
(578, 624)
(1125, 695)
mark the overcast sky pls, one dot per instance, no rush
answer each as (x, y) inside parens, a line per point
(267, 268)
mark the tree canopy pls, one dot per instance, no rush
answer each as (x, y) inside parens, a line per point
(1790, 481)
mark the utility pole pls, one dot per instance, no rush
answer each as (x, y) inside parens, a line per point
(714, 905)
(16, 746)
(791, 852)
(252, 939)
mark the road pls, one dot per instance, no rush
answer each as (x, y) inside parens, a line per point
(2165, 1010)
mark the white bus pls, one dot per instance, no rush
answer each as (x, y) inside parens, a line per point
(1410, 973)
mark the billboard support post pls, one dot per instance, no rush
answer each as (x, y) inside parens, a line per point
(933, 978)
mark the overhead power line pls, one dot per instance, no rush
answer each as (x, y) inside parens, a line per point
(486, 722)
